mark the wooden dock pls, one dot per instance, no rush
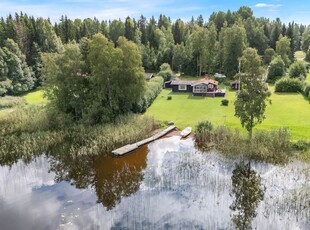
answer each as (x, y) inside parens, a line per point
(130, 147)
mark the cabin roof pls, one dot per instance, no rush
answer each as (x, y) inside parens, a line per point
(181, 82)
(206, 81)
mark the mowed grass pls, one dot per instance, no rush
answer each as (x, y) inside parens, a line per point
(290, 110)
(35, 97)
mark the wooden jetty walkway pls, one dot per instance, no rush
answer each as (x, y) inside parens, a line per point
(130, 147)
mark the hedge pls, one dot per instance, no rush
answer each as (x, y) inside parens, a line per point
(154, 87)
(287, 84)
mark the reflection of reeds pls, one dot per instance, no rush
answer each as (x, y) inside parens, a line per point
(28, 132)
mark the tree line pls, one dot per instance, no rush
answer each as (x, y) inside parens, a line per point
(195, 47)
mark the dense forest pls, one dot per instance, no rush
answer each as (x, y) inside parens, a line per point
(195, 47)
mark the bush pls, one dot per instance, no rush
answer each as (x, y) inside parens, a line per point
(298, 69)
(169, 97)
(225, 102)
(271, 146)
(276, 69)
(165, 72)
(307, 90)
(154, 87)
(302, 145)
(288, 85)
(203, 132)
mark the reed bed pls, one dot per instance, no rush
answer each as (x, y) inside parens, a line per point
(31, 131)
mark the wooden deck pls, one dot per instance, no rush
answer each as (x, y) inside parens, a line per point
(130, 147)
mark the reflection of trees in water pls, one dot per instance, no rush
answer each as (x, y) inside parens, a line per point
(111, 178)
(78, 170)
(124, 182)
(248, 193)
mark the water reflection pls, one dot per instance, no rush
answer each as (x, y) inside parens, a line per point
(248, 192)
(166, 185)
(111, 177)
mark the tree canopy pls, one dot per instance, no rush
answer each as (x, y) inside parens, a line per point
(110, 86)
(251, 100)
(193, 47)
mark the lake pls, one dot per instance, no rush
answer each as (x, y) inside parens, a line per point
(168, 184)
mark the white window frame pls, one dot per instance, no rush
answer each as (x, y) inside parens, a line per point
(200, 89)
(182, 87)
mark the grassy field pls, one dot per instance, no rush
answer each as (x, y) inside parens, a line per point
(35, 97)
(32, 98)
(287, 110)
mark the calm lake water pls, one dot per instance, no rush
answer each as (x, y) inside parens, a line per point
(168, 184)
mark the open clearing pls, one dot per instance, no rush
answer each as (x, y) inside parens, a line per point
(290, 110)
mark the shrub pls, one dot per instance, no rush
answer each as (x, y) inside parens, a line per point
(271, 146)
(203, 132)
(276, 69)
(165, 72)
(302, 145)
(169, 97)
(298, 69)
(268, 55)
(225, 102)
(154, 86)
(288, 85)
(307, 90)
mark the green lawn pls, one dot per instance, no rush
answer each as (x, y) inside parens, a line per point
(287, 110)
(35, 97)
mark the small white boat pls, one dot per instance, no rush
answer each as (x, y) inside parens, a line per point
(185, 132)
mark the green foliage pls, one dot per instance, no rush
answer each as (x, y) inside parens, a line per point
(102, 96)
(276, 69)
(42, 131)
(117, 29)
(224, 102)
(234, 42)
(306, 41)
(307, 90)
(307, 58)
(165, 72)
(288, 85)
(203, 132)
(271, 146)
(268, 55)
(283, 49)
(15, 76)
(298, 69)
(65, 83)
(11, 101)
(266, 146)
(251, 104)
(169, 97)
(154, 86)
(302, 145)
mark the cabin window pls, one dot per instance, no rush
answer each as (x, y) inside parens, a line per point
(182, 87)
(210, 86)
(200, 89)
